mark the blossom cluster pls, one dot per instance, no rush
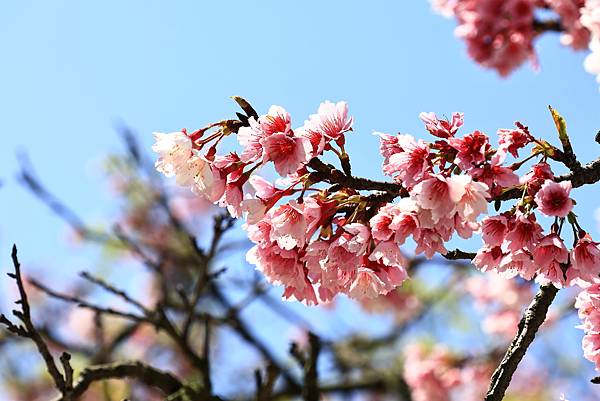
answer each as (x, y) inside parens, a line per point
(435, 374)
(321, 240)
(588, 305)
(501, 34)
(502, 299)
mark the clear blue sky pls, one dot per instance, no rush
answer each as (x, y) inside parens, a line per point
(70, 69)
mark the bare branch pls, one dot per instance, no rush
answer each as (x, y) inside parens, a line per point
(161, 380)
(113, 290)
(310, 392)
(327, 173)
(528, 326)
(28, 330)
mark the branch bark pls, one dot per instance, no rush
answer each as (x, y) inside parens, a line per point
(28, 330)
(161, 380)
(528, 326)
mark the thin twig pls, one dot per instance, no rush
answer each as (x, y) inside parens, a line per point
(28, 330)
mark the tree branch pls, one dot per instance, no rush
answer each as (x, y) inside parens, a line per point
(161, 380)
(528, 326)
(328, 173)
(310, 391)
(28, 329)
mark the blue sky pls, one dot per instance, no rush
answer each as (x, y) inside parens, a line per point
(72, 69)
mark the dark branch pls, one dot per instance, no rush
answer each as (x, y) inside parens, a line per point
(310, 392)
(457, 254)
(163, 381)
(330, 174)
(528, 326)
(547, 26)
(28, 330)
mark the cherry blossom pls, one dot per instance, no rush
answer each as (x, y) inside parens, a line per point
(585, 259)
(500, 34)
(511, 140)
(174, 150)
(588, 305)
(471, 148)
(553, 198)
(318, 241)
(442, 128)
(411, 163)
(331, 120)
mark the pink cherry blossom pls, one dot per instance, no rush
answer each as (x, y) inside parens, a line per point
(249, 138)
(588, 305)
(232, 198)
(252, 137)
(590, 16)
(503, 323)
(488, 258)
(277, 120)
(174, 150)
(412, 164)
(430, 375)
(260, 233)
(202, 178)
(366, 284)
(435, 193)
(592, 62)
(316, 140)
(288, 153)
(495, 176)
(429, 242)
(493, 230)
(391, 221)
(465, 228)
(263, 189)
(550, 248)
(346, 250)
(442, 128)
(575, 33)
(380, 223)
(470, 197)
(540, 172)
(254, 209)
(518, 262)
(404, 305)
(388, 145)
(388, 253)
(511, 140)
(288, 226)
(376, 277)
(316, 211)
(318, 241)
(523, 232)
(331, 120)
(472, 149)
(498, 34)
(553, 198)
(550, 255)
(358, 239)
(585, 259)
